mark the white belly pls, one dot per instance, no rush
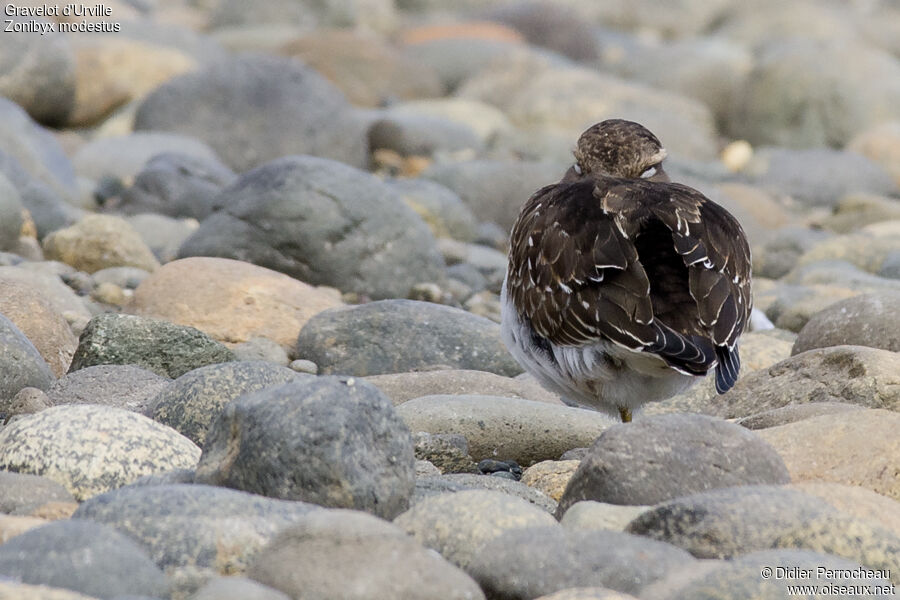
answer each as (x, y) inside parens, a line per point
(601, 376)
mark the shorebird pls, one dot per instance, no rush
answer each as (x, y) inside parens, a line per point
(623, 288)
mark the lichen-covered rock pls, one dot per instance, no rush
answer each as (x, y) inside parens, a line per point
(92, 449)
(159, 346)
(331, 441)
(394, 336)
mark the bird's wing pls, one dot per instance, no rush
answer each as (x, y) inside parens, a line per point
(577, 284)
(577, 274)
(714, 249)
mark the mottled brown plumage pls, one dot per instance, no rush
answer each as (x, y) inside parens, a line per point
(606, 256)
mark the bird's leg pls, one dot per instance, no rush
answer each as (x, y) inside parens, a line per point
(625, 413)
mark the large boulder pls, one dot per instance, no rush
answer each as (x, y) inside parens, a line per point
(331, 441)
(324, 223)
(393, 336)
(251, 109)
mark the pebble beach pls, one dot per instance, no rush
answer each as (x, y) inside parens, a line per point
(250, 268)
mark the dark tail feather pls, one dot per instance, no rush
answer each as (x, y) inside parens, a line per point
(728, 368)
(691, 354)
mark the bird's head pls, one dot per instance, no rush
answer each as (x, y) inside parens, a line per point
(619, 148)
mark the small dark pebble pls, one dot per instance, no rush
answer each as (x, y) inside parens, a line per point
(509, 469)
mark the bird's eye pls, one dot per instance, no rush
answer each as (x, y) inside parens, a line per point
(577, 168)
(649, 173)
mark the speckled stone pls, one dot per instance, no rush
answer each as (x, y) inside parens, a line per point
(82, 556)
(506, 428)
(393, 336)
(211, 528)
(302, 441)
(588, 514)
(400, 387)
(668, 456)
(97, 242)
(857, 375)
(159, 346)
(21, 365)
(91, 449)
(861, 541)
(122, 386)
(859, 448)
(793, 413)
(865, 320)
(730, 521)
(856, 501)
(21, 493)
(448, 452)
(347, 554)
(497, 483)
(550, 476)
(459, 525)
(190, 403)
(529, 562)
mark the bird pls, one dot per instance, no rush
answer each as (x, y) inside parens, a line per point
(623, 287)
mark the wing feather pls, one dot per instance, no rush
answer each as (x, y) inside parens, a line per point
(578, 273)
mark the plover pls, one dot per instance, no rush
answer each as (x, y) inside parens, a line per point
(623, 288)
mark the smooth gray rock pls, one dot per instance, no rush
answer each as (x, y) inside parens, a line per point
(177, 185)
(413, 134)
(194, 525)
(190, 403)
(83, 556)
(20, 492)
(532, 562)
(805, 92)
(818, 176)
(122, 386)
(346, 554)
(506, 428)
(866, 320)
(779, 254)
(166, 349)
(333, 441)
(559, 28)
(857, 375)
(393, 336)
(663, 457)
(91, 449)
(441, 209)
(37, 72)
(472, 481)
(495, 190)
(47, 208)
(793, 413)
(253, 108)
(324, 223)
(458, 525)
(728, 522)
(123, 157)
(164, 235)
(21, 365)
(35, 149)
(10, 214)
